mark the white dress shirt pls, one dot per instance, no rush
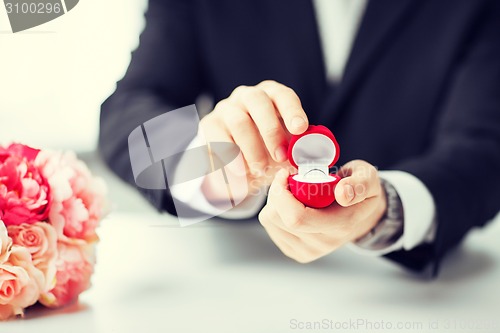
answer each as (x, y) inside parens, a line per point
(338, 22)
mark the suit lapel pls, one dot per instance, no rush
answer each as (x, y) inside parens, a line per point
(381, 22)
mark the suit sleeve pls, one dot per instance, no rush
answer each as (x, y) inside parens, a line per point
(164, 74)
(462, 167)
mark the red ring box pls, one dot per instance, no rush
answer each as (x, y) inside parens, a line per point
(313, 153)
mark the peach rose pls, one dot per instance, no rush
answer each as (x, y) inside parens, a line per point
(20, 283)
(75, 265)
(40, 239)
(79, 199)
(5, 243)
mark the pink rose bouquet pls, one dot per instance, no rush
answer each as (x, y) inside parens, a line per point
(50, 207)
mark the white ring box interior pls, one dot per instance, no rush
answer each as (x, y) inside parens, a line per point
(313, 153)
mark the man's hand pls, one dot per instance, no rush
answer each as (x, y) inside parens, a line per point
(306, 234)
(259, 120)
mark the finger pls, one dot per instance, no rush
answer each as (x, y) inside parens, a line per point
(282, 200)
(269, 215)
(360, 181)
(343, 217)
(333, 225)
(282, 240)
(290, 244)
(294, 215)
(261, 109)
(288, 105)
(315, 240)
(213, 131)
(268, 219)
(244, 133)
(213, 186)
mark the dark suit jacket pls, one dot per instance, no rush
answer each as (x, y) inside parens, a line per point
(420, 93)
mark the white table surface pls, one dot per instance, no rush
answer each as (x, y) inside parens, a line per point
(154, 276)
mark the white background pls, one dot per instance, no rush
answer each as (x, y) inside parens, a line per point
(54, 77)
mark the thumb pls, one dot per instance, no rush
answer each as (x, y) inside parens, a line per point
(360, 182)
(279, 185)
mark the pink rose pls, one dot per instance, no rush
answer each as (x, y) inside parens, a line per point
(18, 149)
(24, 192)
(20, 283)
(40, 239)
(78, 198)
(5, 243)
(75, 264)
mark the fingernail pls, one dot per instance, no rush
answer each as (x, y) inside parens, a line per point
(280, 154)
(349, 192)
(298, 122)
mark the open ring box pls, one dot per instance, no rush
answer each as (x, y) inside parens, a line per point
(313, 153)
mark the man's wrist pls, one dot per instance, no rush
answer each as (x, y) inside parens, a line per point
(389, 228)
(371, 221)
